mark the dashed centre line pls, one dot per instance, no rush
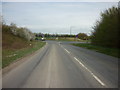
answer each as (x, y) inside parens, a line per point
(86, 68)
(67, 50)
(90, 72)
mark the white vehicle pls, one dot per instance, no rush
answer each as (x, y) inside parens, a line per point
(43, 39)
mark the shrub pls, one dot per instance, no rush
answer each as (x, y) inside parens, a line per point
(18, 31)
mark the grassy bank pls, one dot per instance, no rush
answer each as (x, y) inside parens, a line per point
(18, 44)
(10, 55)
(109, 51)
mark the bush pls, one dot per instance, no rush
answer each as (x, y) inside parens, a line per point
(18, 31)
(83, 36)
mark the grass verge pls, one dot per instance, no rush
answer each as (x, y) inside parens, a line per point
(109, 51)
(10, 55)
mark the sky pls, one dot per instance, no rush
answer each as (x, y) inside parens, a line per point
(55, 17)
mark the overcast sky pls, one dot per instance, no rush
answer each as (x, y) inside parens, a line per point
(55, 17)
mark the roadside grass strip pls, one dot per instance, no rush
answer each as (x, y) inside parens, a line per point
(105, 50)
(11, 55)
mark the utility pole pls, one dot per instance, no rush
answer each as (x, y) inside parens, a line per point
(71, 29)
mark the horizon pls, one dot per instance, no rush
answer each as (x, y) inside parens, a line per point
(54, 17)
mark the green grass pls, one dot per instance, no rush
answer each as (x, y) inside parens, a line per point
(109, 51)
(8, 54)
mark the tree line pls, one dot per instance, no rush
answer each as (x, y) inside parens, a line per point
(53, 35)
(82, 36)
(106, 31)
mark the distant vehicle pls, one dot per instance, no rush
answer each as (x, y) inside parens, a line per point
(42, 39)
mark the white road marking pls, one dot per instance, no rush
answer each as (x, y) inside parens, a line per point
(76, 59)
(61, 46)
(67, 50)
(90, 72)
(98, 79)
(86, 69)
(59, 43)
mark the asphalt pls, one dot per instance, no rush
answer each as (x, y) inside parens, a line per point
(61, 65)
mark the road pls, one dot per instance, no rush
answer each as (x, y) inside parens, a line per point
(61, 65)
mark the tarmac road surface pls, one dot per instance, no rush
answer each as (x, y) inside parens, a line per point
(61, 65)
